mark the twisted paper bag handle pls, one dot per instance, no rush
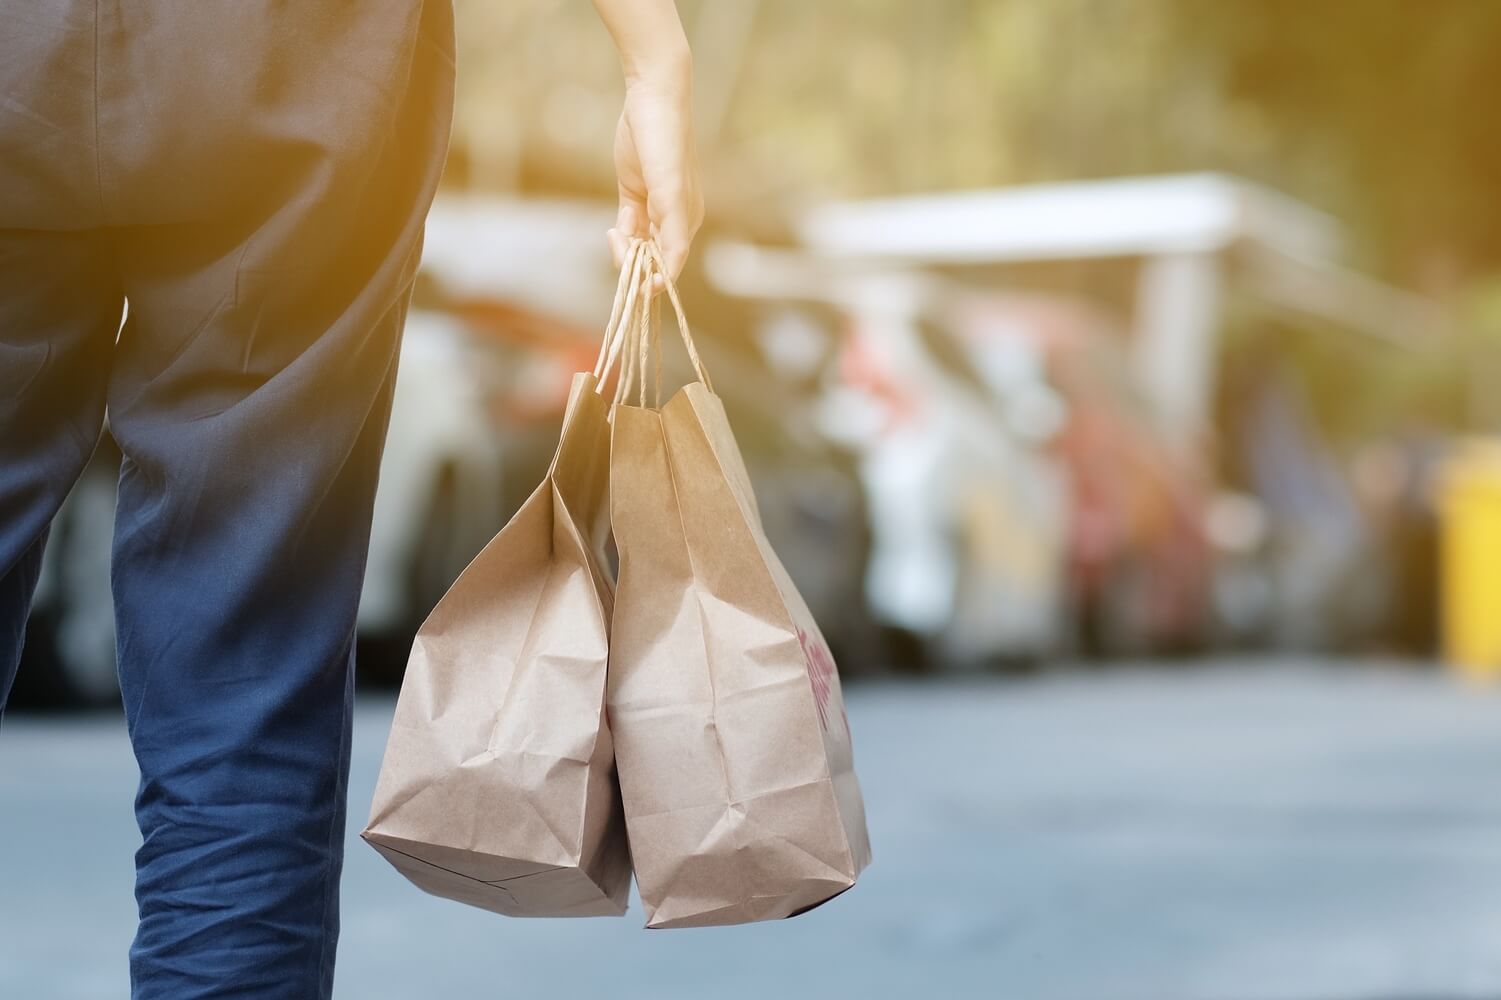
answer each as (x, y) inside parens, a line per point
(631, 331)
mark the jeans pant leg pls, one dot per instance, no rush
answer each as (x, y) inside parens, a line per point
(60, 306)
(253, 176)
(267, 258)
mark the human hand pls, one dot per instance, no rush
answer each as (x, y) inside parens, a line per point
(656, 158)
(656, 167)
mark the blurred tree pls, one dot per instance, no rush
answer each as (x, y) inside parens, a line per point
(1378, 110)
(1381, 110)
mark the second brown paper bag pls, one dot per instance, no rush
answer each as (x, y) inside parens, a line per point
(731, 741)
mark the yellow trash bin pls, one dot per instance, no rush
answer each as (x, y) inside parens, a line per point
(1470, 511)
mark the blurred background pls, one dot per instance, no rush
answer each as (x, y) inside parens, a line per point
(1121, 384)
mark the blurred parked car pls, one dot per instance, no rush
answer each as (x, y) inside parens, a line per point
(1322, 556)
(1139, 567)
(1178, 260)
(967, 509)
(69, 655)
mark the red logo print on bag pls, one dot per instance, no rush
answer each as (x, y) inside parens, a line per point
(821, 674)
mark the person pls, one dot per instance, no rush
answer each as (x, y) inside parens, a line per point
(251, 178)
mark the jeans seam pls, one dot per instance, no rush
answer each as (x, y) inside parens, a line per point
(98, 154)
(334, 849)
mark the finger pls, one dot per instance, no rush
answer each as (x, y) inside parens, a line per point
(619, 245)
(629, 224)
(675, 238)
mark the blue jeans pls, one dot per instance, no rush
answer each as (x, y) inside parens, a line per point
(251, 177)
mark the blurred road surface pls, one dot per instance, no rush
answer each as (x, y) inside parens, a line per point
(1236, 831)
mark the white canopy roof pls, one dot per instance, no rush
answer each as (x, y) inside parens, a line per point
(1106, 218)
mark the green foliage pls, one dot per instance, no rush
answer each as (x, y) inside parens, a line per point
(1382, 110)
(1377, 110)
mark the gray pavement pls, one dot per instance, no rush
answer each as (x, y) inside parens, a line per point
(1234, 831)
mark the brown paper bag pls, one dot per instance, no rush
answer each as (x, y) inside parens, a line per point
(498, 787)
(731, 742)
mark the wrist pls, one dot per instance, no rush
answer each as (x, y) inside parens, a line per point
(668, 68)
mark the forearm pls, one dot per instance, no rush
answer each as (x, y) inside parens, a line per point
(650, 40)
